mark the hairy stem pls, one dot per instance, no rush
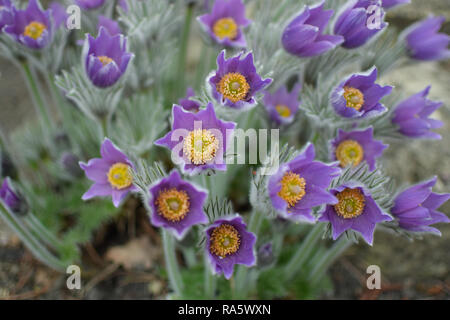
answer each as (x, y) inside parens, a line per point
(173, 270)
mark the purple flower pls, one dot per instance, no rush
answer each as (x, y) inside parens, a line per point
(425, 43)
(106, 58)
(282, 106)
(187, 103)
(5, 13)
(59, 14)
(31, 27)
(416, 208)
(354, 22)
(228, 243)
(236, 81)
(89, 4)
(356, 146)
(110, 25)
(124, 5)
(111, 174)
(359, 96)
(300, 185)
(12, 199)
(303, 36)
(177, 204)
(411, 115)
(389, 4)
(225, 22)
(198, 140)
(355, 210)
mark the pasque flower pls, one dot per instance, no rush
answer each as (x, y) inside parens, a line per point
(236, 81)
(304, 37)
(355, 210)
(389, 4)
(110, 25)
(356, 146)
(359, 96)
(106, 58)
(282, 106)
(425, 43)
(198, 140)
(89, 4)
(59, 14)
(300, 185)
(412, 116)
(225, 23)
(415, 208)
(5, 13)
(187, 103)
(12, 199)
(228, 243)
(31, 27)
(111, 174)
(353, 23)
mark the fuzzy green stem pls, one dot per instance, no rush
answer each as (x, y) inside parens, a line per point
(184, 47)
(173, 270)
(210, 279)
(41, 231)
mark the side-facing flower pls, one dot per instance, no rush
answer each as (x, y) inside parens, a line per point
(236, 81)
(356, 146)
(356, 210)
(12, 199)
(389, 4)
(412, 116)
(424, 42)
(106, 58)
(353, 23)
(110, 25)
(301, 184)
(415, 208)
(111, 174)
(225, 23)
(228, 243)
(359, 96)
(176, 204)
(282, 106)
(31, 27)
(89, 4)
(187, 103)
(198, 141)
(5, 13)
(304, 37)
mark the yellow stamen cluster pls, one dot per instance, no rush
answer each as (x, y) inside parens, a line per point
(173, 204)
(349, 152)
(105, 60)
(225, 240)
(200, 146)
(354, 98)
(119, 176)
(283, 111)
(233, 86)
(292, 188)
(351, 203)
(34, 30)
(225, 28)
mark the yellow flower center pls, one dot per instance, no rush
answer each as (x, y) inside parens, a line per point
(233, 86)
(292, 188)
(283, 111)
(349, 152)
(34, 30)
(200, 146)
(354, 98)
(225, 28)
(105, 60)
(351, 203)
(119, 176)
(225, 240)
(173, 204)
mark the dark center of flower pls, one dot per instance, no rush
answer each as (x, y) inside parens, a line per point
(225, 28)
(119, 176)
(173, 204)
(200, 146)
(225, 240)
(349, 152)
(292, 188)
(34, 30)
(351, 203)
(283, 111)
(354, 98)
(233, 86)
(105, 60)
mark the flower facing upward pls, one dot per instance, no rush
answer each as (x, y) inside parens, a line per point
(12, 199)
(89, 4)
(412, 116)
(177, 204)
(225, 22)
(359, 96)
(356, 146)
(236, 81)
(415, 208)
(106, 58)
(282, 106)
(355, 210)
(111, 174)
(187, 103)
(300, 185)
(31, 27)
(389, 4)
(304, 37)
(228, 243)
(198, 140)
